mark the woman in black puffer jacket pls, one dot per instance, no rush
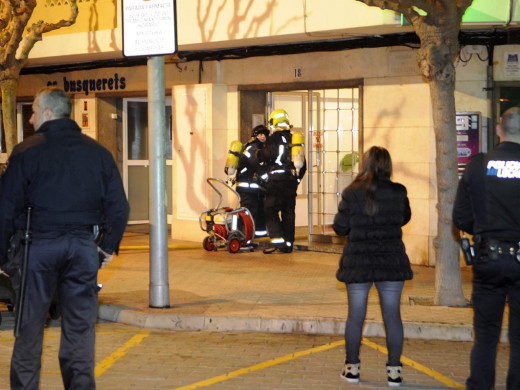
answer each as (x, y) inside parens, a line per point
(371, 213)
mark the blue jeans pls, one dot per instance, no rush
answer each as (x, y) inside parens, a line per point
(493, 282)
(390, 302)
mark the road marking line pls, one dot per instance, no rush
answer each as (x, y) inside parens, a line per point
(51, 336)
(102, 367)
(417, 366)
(260, 366)
(105, 332)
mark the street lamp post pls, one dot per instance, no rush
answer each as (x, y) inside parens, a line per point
(159, 286)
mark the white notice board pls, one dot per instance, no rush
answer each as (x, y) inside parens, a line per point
(149, 27)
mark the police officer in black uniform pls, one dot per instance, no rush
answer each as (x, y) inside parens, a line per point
(71, 183)
(282, 183)
(487, 205)
(251, 177)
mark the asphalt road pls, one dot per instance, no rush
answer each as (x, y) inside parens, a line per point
(134, 358)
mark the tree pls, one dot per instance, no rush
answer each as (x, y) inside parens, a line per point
(437, 24)
(16, 42)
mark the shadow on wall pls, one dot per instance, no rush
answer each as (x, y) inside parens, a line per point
(190, 159)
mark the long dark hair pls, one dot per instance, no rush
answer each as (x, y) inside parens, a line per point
(377, 165)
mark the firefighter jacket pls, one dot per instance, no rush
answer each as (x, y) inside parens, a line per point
(251, 175)
(276, 155)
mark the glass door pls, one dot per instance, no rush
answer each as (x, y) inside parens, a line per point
(136, 161)
(334, 152)
(295, 104)
(329, 119)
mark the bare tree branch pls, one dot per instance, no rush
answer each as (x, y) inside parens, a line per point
(7, 12)
(425, 5)
(463, 5)
(34, 33)
(15, 39)
(23, 14)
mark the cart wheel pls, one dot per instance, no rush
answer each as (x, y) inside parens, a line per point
(208, 243)
(233, 244)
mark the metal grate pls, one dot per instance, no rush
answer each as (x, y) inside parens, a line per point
(333, 153)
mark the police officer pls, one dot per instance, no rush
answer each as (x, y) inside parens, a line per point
(487, 206)
(251, 177)
(282, 183)
(72, 183)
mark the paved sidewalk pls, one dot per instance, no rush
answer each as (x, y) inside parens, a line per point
(250, 291)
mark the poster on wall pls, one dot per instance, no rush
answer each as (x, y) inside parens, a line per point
(512, 63)
(468, 136)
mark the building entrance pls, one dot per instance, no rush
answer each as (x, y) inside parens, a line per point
(506, 95)
(330, 120)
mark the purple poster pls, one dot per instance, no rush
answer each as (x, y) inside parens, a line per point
(468, 136)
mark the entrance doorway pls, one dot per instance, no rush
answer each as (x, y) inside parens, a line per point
(505, 96)
(330, 120)
(136, 161)
(24, 128)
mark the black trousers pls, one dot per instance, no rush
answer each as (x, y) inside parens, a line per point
(254, 202)
(279, 208)
(69, 262)
(493, 282)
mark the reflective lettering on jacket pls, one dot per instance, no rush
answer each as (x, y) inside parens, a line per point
(248, 185)
(281, 150)
(503, 169)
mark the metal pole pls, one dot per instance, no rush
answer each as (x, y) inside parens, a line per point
(159, 286)
(310, 171)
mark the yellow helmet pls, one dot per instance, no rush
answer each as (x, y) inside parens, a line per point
(279, 118)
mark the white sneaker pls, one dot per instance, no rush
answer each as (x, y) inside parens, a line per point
(350, 372)
(395, 377)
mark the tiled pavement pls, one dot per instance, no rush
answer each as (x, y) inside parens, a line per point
(251, 291)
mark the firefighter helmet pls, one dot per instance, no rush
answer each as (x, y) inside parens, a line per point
(279, 118)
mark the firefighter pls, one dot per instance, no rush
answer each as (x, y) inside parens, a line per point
(251, 177)
(282, 183)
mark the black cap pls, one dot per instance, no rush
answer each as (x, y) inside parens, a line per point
(260, 129)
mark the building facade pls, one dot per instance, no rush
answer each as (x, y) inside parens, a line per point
(339, 68)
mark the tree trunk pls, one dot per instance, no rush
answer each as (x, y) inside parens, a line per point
(448, 286)
(439, 47)
(9, 88)
(438, 30)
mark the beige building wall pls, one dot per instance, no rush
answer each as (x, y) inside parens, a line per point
(396, 115)
(209, 24)
(205, 118)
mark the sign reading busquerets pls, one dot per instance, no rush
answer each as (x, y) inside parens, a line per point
(149, 27)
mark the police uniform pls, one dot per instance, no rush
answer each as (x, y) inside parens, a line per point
(72, 183)
(282, 183)
(487, 205)
(250, 180)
